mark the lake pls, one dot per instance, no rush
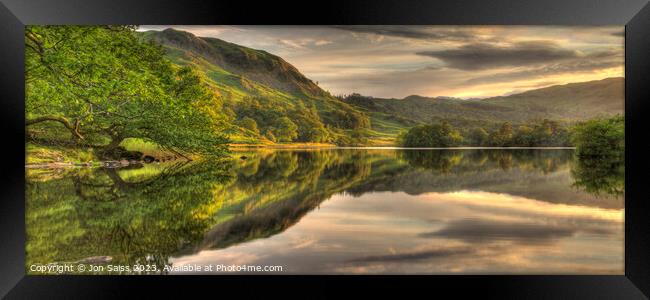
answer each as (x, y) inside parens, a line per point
(337, 211)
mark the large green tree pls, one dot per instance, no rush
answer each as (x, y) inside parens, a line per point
(103, 84)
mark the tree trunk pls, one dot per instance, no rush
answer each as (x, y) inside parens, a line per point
(108, 151)
(115, 142)
(74, 128)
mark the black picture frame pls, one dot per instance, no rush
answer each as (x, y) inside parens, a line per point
(634, 14)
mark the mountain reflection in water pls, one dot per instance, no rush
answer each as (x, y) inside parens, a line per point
(340, 211)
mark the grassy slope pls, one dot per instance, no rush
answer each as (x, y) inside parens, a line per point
(234, 87)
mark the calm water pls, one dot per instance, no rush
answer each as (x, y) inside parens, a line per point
(351, 211)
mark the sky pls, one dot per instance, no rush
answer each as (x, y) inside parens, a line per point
(453, 61)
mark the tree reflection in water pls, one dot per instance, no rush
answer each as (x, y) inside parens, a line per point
(137, 215)
(603, 175)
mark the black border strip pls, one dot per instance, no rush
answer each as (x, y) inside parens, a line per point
(337, 12)
(637, 162)
(12, 176)
(467, 12)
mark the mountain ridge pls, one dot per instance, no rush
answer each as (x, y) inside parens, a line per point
(530, 91)
(257, 65)
(572, 102)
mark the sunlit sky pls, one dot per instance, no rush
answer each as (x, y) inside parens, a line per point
(456, 61)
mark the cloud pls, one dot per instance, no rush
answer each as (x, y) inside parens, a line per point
(303, 43)
(429, 80)
(484, 56)
(415, 32)
(292, 43)
(588, 63)
(619, 33)
(414, 256)
(474, 230)
(322, 42)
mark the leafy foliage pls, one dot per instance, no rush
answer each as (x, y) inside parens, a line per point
(349, 119)
(543, 133)
(103, 84)
(600, 151)
(250, 124)
(286, 130)
(283, 123)
(436, 135)
(477, 136)
(600, 137)
(600, 175)
(501, 136)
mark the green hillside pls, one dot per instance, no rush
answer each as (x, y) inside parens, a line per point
(266, 97)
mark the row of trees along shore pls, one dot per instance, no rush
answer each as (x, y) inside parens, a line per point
(596, 137)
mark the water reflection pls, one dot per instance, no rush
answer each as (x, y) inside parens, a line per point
(600, 175)
(340, 211)
(134, 215)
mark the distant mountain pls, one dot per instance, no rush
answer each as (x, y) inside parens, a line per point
(573, 101)
(567, 103)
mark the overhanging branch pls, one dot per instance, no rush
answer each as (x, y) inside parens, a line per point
(73, 127)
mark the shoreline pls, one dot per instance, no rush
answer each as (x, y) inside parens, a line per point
(298, 147)
(458, 148)
(281, 146)
(246, 148)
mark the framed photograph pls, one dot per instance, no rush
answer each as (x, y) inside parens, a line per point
(469, 147)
